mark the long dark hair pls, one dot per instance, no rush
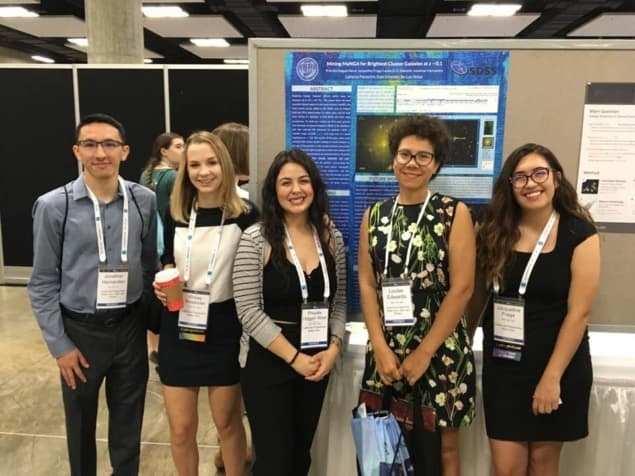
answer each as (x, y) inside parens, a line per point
(273, 214)
(498, 231)
(163, 141)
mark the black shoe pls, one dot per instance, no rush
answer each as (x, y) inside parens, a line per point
(154, 357)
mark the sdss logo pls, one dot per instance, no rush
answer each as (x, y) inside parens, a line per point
(462, 69)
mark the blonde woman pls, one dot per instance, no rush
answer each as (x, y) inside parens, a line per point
(200, 343)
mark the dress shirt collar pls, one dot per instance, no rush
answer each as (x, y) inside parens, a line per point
(80, 191)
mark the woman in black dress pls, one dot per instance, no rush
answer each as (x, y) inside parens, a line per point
(536, 364)
(200, 343)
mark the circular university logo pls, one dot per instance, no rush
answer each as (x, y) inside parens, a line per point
(307, 69)
(458, 67)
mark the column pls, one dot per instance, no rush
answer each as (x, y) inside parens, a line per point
(115, 31)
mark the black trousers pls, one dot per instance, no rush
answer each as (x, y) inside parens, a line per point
(116, 354)
(283, 411)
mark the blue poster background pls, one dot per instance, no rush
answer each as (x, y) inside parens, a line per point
(340, 105)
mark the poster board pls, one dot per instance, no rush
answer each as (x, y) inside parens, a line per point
(545, 100)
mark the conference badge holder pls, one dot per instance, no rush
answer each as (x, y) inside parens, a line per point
(314, 325)
(193, 316)
(397, 302)
(112, 287)
(509, 327)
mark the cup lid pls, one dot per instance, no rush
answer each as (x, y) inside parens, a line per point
(166, 275)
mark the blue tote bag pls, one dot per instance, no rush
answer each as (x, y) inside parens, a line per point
(380, 446)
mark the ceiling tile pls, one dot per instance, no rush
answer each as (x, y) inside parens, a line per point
(358, 26)
(19, 2)
(464, 26)
(201, 26)
(608, 24)
(62, 26)
(230, 52)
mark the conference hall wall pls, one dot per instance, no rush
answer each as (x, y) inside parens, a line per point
(544, 103)
(41, 105)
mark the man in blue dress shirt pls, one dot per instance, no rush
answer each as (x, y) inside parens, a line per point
(94, 243)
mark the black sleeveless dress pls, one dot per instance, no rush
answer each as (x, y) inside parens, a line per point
(508, 386)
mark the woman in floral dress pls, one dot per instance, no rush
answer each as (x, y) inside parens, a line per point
(416, 275)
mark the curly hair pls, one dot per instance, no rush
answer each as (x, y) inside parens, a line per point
(424, 127)
(498, 231)
(272, 212)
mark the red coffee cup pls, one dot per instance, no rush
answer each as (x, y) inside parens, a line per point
(169, 280)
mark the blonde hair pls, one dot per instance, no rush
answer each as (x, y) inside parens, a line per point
(184, 192)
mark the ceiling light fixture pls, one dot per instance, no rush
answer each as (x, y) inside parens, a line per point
(213, 42)
(236, 61)
(42, 59)
(324, 10)
(164, 12)
(493, 9)
(147, 60)
(17, 12)
(78, 41)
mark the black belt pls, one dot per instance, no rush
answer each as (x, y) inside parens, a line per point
(105, 317)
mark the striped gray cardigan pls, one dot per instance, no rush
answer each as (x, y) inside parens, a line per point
(247, 280)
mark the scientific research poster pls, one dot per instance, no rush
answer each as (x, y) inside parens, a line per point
(340, 106)
(606, 174)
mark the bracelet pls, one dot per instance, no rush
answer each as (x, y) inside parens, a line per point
(295, 356)
(337, 341)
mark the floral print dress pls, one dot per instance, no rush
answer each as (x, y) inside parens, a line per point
(449, 384)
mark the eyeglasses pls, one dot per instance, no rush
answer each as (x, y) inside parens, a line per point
(109, 145)
(404, 156)
(538, 175)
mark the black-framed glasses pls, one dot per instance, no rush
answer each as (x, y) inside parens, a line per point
(109, 145)
(404, 156)
(538, 175)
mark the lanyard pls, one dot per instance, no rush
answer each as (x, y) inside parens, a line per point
(540, 244)
(298, 267)
(412, 236)
(188, 247)
(99, 229)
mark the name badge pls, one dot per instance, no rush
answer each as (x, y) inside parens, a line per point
(112, 287)
(509, 327)
(397, 300)
(314, 327)
(193, 316)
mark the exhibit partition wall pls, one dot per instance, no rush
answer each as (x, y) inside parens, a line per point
(41, 105)
(336, 99)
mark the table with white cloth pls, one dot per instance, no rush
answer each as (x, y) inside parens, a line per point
(609, 450)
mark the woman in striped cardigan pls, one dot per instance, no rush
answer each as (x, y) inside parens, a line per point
(290, 287)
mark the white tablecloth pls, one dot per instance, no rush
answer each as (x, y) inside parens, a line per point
(608, 451)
